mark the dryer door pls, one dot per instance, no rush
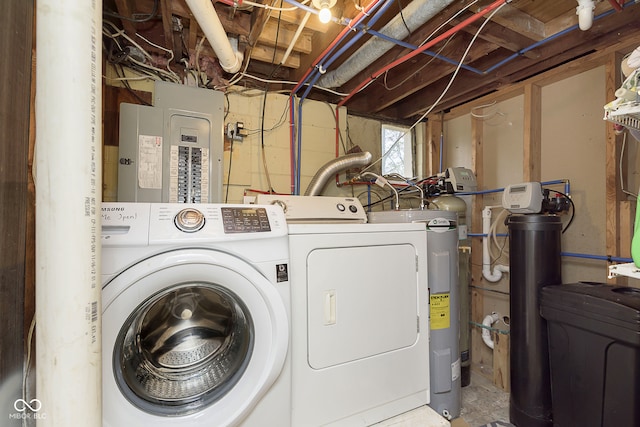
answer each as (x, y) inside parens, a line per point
(190, 331)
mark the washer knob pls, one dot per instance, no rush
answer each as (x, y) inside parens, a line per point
(189, 220)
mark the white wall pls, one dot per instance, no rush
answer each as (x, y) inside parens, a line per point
(574, 147)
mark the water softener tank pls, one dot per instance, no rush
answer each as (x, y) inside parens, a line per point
(444, 303)
(449, 202)
(534, 262)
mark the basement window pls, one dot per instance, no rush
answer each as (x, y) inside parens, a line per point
(397, 150)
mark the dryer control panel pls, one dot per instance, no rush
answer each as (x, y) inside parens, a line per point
(317, 209)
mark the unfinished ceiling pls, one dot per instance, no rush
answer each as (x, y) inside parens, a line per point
(390, 59)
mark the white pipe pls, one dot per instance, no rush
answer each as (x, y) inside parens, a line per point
(68, 198)
(585, 14)
(204, 12)
(305, 18)
(488, 322)
(499, 269)
(415, 14)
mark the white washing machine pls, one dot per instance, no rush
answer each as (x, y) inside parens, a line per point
(359, 299)
(196, 311)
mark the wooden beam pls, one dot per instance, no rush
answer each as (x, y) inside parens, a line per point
(167, 24)
(500, 36)
(569, 19)
(127, 8)
(266, 54)
(532, 128)
(477, 204)
(501, 365)
(467, 85)
(518, 21)
(406, 81)
(282, 36)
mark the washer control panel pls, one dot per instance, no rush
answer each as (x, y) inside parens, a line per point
(126, 224)
(245, 220)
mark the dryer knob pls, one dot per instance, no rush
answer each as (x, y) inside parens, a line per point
(189, 220)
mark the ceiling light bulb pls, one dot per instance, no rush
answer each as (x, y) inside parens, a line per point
(325, 14)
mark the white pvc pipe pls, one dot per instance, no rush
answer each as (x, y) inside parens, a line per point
(585, 14)
(488, 322)
(205, 14)
(499, 269)
(305, 18)
(68, 199)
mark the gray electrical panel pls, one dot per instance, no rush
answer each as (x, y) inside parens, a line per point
(172, 152)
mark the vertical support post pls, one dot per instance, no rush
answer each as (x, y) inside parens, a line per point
(614, 195)
(477, 298)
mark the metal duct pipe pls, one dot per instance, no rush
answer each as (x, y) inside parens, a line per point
(415, 14)
(204, 12)
(335, 166)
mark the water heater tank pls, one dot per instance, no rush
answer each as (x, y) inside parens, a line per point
(444, 303)
(449, 202)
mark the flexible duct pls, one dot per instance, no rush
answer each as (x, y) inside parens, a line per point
(335, 166)
(499, 269)
(204, 12)
(413, 16)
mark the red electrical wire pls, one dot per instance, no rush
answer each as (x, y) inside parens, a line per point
(424, 47)
(231, 2)
(617, 6)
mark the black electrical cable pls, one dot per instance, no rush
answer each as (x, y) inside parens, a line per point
(402, 17)
(573, 209)
(226, 196)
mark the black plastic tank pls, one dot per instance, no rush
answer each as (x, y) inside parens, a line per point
(594, 349)
(534, 262)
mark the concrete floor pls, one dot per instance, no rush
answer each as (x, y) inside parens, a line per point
(482, 403)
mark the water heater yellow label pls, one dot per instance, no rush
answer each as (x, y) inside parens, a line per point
(440, 311)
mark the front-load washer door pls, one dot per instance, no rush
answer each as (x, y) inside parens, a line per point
(190, 337)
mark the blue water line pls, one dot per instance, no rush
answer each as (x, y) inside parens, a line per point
(607, 258)
(359, 27)
(316, 74)
(598, 257)
(426, 52)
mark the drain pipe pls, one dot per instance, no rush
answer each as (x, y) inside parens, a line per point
(488, 322)
(68, 197)
(499, 269)
(413, 16)
(228, 55)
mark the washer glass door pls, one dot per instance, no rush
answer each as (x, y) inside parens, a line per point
(183, 348)
(190, 331)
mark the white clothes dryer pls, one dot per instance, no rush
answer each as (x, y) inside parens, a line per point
(360, 322)
(359, 313)
(195, 315)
